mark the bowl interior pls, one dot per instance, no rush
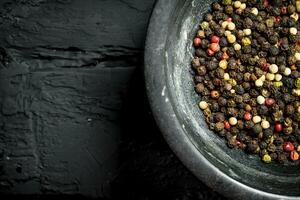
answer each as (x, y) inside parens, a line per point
(247, 169)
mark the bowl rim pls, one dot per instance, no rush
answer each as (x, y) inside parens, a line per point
(169, 125)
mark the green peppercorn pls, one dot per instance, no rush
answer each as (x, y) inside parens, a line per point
(257, 129)
(228, 9)
(270, 22)
(291, 9)
(273, 50)
(226, 2)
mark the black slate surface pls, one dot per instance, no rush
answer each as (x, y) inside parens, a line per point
(74, 117)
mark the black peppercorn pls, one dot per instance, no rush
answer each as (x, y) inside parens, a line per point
(274, 50)
(263, 145)
(248, 124)
(223, 42)
(242, 70)
(219, 117)
(208, 17)
(220, 32)
(281, 157)
(204, 43)
(253, 146)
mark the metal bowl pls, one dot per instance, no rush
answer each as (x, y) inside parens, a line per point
(169, 84)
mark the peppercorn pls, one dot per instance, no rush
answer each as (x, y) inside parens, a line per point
(199, 88)
(294, 155)
(267, 134)
(263, 145)
(207, 112)
(262, 110)
(277, 115)
(278, 141)
(281, 157)
(234, 131)
(219, 126)
(214, 47)
(250, 57)
(232, 112)
(253, 146)
(274, 50)
(288, 122)
(197, 41)
(249, 124)
(222, 101)
(273, 39)
(269, 102)
(203, 105)
(226, 125)
(291, 9)
(231, 38)
(290, 109)
(204, 43)
(288, 146)
(257, 129)
(219, 117)
(226, 2)
(288, 130)
(216, 6)
(240, 124)
(273, 156)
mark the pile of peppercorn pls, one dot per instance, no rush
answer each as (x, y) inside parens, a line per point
(247, 64)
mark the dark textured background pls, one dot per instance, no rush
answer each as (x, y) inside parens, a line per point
(74, 117)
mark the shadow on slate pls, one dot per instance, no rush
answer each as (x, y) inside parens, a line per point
(149, 169)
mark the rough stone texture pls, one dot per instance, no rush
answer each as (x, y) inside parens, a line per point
(65, 71)
(64, 67)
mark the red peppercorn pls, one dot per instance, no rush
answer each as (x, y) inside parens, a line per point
(278, 127)
(294, 155)
(266, 3)
(210, 52)
(284, 10)
(229, 19)
(247, 116)
(288, 146)
(265, 67)
(226, 125)
(197, 42)
(269, 102)
(278, 19)
(215, 39)
(214, 47)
